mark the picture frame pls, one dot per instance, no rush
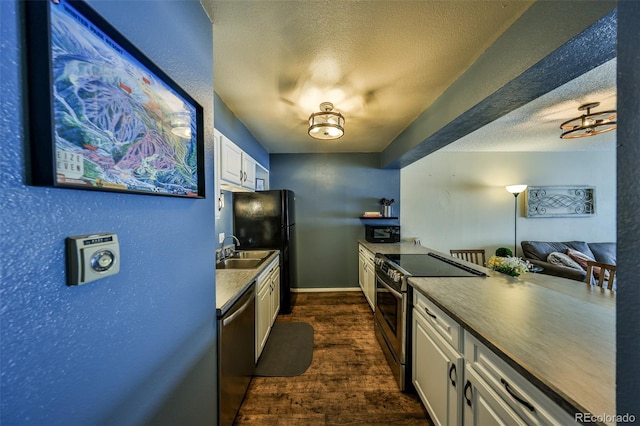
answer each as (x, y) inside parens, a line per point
(259, 184)
(103, 116)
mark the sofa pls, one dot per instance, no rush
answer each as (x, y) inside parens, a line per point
(537, 253)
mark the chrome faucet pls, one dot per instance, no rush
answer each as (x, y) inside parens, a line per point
(236, 243)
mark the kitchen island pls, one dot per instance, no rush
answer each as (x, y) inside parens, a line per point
(558, 334)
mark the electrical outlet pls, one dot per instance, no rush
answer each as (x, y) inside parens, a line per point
(220, 237)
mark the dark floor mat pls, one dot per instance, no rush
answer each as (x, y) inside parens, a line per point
(288, 351)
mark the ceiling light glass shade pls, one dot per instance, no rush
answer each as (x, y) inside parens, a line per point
(589, 124)
(181, 124)
(516, 189)
(327, 124)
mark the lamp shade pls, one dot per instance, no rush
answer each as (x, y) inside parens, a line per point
(326, 124)
(516, 189)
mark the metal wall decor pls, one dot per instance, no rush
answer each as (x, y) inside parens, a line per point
(560, 201)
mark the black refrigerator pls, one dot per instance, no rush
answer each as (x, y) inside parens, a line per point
(266, 220)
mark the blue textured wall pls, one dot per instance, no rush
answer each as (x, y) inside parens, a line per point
(105, 352)
(229, 125)
(628, 300)
(225, 223)
(332, 191)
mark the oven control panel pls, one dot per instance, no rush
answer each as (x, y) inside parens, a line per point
(383, 265)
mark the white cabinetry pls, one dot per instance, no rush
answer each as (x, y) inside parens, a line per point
(267, 303)
(494, 393)
(248, 172)
(367, 275)
(230, 162)
(491, 393)
(274, 303)
(236, 170)
(483, 407)
(437, 364)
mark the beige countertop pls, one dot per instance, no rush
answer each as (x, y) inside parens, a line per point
(394, 248)
(558, 333)
(231, 283)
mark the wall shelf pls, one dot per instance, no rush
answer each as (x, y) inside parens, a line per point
(377, 217)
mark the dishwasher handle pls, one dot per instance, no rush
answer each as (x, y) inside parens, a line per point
(240, 310)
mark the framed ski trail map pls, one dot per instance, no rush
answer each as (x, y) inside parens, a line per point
(102, 116)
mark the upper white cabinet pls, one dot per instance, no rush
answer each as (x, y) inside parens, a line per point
(237, 170)
(248, 172)
(231, 162)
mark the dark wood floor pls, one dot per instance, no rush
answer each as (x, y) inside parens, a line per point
(349, 380)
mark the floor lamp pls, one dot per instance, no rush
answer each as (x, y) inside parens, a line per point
(515, 190)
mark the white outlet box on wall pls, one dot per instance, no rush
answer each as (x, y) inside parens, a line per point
(220, 237)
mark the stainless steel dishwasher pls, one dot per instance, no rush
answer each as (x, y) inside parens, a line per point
(236, 355)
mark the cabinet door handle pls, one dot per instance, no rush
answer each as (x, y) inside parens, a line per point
(515, 396)
(467, 386)
(240, 175)
(245, 176)
(455, 375)
(430, 314)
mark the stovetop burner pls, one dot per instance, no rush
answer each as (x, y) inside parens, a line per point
(432, 265)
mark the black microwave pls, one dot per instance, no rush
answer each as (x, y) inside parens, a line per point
(382, 233)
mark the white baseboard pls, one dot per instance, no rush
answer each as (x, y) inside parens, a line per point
(325, 290)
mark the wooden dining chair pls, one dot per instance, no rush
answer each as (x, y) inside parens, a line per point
(475, 255)
(607, 273)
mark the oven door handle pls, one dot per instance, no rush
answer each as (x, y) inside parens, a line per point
(393, 291)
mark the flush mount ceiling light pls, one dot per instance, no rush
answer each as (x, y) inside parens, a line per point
(181, 124)
(326, 124)
(589, 124)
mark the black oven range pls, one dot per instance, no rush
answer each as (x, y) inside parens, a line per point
(391, 313)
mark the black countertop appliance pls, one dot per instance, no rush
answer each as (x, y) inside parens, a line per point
(266, 220)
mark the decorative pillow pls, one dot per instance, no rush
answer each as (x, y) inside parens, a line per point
(562, 259)
(582, 259)
(579, 257)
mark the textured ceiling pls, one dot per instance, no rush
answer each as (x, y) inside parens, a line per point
(536, 125)
(381, 63)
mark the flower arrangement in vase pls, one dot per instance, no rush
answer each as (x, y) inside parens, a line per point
(504, 261)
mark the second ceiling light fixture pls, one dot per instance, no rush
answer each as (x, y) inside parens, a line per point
(589, 124)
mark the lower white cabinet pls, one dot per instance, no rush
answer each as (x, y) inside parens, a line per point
(274, 303)
(437, 369)
(494, 391)
(482, 406)
(367, 275)
(463, 382)
(267, 303)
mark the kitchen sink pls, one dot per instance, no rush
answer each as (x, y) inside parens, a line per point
(245, 259)
(239, 263)
(252, 254)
